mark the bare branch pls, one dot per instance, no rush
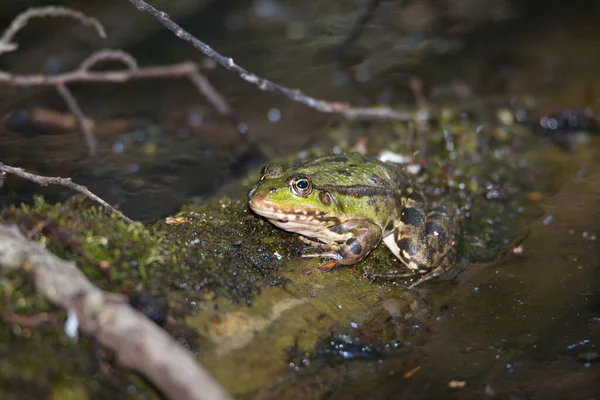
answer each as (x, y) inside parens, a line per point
(263, 84)
(106, 55)
(42, 12)
(84, 73)
(138, 343)
(68, 97)
(48, 180)
(204, 87)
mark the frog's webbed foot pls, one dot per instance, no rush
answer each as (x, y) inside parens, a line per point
(315, 243)
(324, 250)
(421, 275)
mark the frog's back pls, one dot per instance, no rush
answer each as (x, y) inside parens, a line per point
(351, 170)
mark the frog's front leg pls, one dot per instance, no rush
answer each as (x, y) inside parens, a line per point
(346, 243)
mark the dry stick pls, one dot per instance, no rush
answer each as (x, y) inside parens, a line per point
(53, 11)
(139, 344)
(84, 74)
(42, 12)
(68, 97)
(49, 180)
(343, 109)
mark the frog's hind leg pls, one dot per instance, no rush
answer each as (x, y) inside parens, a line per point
(420, 276)
(441, 231)
(424, 240)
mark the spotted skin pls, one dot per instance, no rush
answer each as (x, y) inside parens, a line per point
(343, 206)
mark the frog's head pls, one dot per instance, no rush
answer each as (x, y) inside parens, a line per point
(290, 200)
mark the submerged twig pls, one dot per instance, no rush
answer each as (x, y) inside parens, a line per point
(343, 109)
(139, 344)
(49, 180)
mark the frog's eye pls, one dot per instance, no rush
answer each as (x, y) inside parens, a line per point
(301, 187)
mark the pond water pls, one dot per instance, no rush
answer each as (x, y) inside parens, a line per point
(523, 327)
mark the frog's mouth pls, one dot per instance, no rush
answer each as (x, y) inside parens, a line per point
(288, 218)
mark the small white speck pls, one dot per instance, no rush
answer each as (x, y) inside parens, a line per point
(118, 147)
(413, 169)
(436, 233)
(230, 62)
(71, 325)
(278, 256)
(274, 115)
(354, 325)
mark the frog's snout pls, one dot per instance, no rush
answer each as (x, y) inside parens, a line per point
(256, 198)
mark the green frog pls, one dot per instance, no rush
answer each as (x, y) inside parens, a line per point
(345, 205)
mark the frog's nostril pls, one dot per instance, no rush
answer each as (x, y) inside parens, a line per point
(272, 190)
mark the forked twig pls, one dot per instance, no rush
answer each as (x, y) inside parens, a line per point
(343, 109)
(49, 180)
(85, 73)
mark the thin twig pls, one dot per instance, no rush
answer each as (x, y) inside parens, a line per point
(84, 73)
(68, 97)
(204, 87)
(357, 29)
(263, 84)
(24, 321)
(49, 180)
(139, 344)
(42, 12)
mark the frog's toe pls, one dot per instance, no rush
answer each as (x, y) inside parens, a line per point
(315, 244)
(327, 265)
(332, 255)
